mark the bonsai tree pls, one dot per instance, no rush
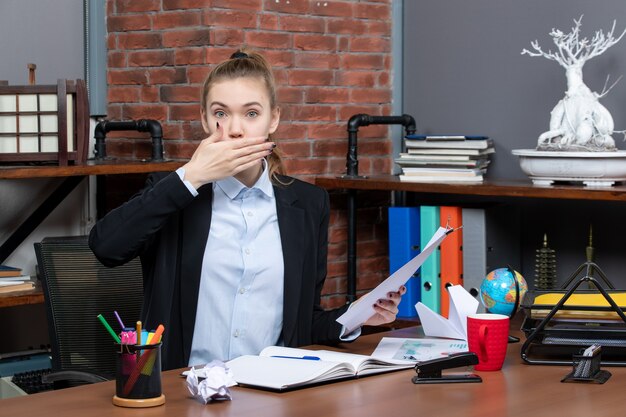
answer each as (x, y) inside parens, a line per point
(578, 122)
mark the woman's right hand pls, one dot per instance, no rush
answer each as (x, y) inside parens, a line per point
(216, 158)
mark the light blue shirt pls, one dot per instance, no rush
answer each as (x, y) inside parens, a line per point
(240, 302)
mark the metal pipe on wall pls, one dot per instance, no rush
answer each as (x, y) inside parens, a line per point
(352, 171)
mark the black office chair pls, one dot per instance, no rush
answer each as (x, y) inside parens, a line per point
(77, 287)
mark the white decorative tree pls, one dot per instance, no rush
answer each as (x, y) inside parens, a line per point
(578, 122)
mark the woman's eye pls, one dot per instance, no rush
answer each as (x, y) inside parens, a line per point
(253, 113)
(219, 114)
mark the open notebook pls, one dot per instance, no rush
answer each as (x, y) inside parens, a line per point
(282, 368)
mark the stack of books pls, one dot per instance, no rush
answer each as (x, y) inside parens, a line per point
(445, 158)
(11, 279)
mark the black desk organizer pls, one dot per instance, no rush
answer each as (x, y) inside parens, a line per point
(554, 342)
(587, 369)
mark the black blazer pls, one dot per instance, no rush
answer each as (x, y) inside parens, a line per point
(168, 228)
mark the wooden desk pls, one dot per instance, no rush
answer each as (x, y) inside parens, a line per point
(517, 390)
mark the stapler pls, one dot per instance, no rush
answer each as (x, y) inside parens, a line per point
(429, 372)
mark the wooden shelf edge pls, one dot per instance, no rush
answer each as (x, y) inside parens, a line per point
(489, 188)
(18, 298)
(90, 168)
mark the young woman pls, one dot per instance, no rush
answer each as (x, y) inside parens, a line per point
(233, 251)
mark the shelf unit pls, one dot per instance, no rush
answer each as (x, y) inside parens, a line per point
(489, 189)
(73, 176)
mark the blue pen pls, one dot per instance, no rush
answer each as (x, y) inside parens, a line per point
(308, 358)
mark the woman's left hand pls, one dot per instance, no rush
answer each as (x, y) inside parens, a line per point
(386, 308)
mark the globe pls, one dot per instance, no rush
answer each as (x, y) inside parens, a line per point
(497, 291)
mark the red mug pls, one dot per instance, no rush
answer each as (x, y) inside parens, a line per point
(488, 337)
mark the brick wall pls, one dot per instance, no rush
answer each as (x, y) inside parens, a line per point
(332, 59)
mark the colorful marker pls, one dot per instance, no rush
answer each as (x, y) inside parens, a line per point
(138, 330)
(156, 337)
(119, 320)
(109, 329)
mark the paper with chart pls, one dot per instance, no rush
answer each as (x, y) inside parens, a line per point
(419, 349)
(362, 310)
(462, 304)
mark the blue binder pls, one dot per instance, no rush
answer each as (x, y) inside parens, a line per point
(404, 245)
(429, 223)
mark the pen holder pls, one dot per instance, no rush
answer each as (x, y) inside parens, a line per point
(138, 376)
(587, 369)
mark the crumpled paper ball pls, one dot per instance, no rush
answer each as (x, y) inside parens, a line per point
(211, 382)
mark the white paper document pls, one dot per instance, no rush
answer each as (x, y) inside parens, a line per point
(362, 310)
(418, 349)
(462, 304)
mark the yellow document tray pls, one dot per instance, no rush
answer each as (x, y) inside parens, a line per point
(595, 306)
